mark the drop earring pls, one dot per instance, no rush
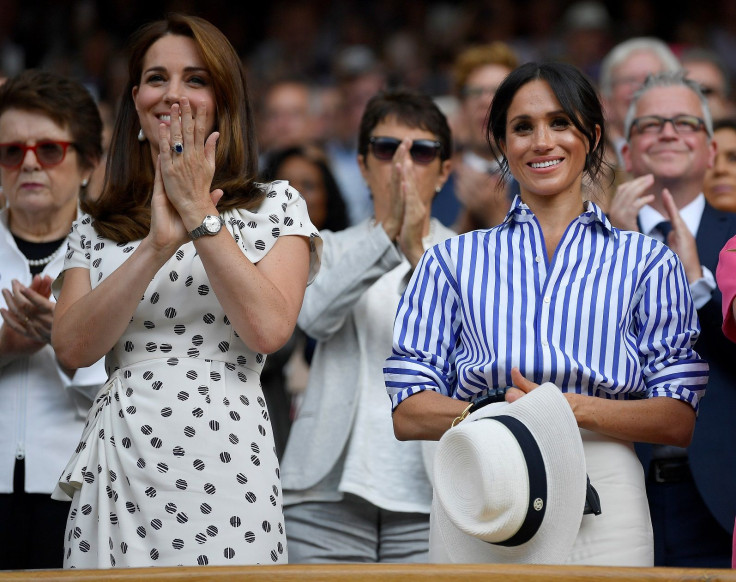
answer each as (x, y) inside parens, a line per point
(85, 182)
(141, 136)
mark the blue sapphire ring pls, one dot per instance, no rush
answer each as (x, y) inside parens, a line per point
(178, 147)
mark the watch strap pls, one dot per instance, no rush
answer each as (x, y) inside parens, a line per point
(201, 230)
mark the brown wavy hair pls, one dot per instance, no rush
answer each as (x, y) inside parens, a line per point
(123, 210)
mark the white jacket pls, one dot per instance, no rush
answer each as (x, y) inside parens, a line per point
(43, 411)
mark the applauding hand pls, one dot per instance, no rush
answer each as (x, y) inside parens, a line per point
(629, 199)
(681, 240)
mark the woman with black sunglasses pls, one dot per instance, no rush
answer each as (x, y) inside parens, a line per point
(352, 492)
(50, 135)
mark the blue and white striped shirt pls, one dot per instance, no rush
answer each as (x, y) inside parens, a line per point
(610, 316)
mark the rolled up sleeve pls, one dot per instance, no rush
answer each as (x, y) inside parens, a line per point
(426, 329)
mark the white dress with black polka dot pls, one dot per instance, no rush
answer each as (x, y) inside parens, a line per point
(176, 465)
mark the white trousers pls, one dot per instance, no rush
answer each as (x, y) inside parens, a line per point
(622, 534)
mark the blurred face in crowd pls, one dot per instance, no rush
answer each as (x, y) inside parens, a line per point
(720, 180)
(713, 86)
(286, 118)
(172, 69)
(354, 96)
(306, 177)
(47, 180)
(477, 95)
(429, 177)
(626, 79)
(546, 153)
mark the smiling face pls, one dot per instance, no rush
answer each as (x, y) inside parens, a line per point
(33, 189)
(545, 151)
(172, 68)
(676, 160)
(720, 180)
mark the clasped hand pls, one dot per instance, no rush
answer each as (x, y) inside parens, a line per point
(408, 213)
(181, 190)
(521, 386)
(27, 317)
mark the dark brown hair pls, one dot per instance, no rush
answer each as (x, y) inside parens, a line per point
(122, 212)
(409, 108)
(576, 95)
(65, 101)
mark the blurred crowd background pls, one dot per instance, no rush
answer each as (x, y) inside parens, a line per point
(312, 65)
(413, 42)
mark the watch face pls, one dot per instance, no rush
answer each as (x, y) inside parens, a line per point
(212, 224)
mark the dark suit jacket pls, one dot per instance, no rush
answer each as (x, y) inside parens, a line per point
(712, 453)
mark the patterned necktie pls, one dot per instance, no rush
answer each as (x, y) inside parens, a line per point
(664, 228)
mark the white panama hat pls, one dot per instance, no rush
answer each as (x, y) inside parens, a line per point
(510, 483)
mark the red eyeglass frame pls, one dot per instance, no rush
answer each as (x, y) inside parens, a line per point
(34, 148)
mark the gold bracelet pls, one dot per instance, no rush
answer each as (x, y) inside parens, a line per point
(463, 416)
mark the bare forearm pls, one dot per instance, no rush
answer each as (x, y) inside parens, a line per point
(426, 416)
(262, 308)
(88, 322)
(653, 420)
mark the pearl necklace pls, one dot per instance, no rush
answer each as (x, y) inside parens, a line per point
(45, 261)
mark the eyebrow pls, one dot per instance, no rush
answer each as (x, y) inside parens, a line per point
(526, 116)
(186, 69)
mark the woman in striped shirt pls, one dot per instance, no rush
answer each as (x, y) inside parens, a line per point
(556, 294)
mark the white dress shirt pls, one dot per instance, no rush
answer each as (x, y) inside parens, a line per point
(649, 218)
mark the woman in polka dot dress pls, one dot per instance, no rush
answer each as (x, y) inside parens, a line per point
(184, 273)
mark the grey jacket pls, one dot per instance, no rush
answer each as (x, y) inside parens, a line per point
(352, 261)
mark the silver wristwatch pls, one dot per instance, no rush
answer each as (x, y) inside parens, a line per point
(210, 226)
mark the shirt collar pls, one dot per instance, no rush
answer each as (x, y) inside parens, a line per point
(520, 212)
(691, 214)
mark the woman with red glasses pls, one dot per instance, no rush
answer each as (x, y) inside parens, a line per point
(50, 135)
(352, 492)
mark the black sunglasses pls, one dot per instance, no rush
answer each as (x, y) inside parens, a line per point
(423, 151)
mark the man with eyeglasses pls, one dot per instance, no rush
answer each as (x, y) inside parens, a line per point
(669, 147)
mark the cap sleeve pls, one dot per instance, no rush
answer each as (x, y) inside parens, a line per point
(283, 212)
(77, 253)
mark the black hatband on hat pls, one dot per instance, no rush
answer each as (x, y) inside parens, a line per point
(537, 480)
